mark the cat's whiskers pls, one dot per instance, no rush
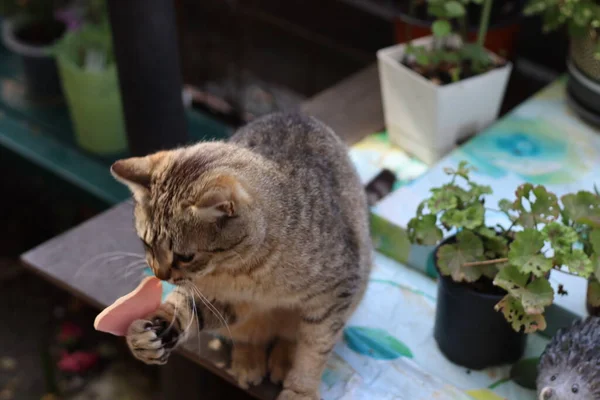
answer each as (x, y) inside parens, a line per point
(194, 316)
(105, 258)
(213, 309)
(131, 268)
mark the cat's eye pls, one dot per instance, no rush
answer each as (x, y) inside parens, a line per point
(183, 258)
(553, 378)
(575, 388)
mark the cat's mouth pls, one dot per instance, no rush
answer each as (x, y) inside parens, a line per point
(180, 281)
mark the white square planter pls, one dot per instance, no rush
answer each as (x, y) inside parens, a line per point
(427, 119)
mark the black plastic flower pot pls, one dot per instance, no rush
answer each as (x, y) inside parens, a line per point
(468, 330)
(33, 41)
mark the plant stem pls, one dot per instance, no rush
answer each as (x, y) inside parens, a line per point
(484, 22)
(486, 262)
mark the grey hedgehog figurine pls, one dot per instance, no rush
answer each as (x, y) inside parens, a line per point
(569, 368)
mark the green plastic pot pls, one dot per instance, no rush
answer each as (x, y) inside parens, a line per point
(93, 96)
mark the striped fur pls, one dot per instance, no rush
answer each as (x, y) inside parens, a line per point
(272, 228)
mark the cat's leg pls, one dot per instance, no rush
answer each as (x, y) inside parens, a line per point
(251, 338)
(318, 331)
(281, 359)
(152, 339)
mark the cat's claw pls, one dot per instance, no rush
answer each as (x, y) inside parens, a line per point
(151, 341)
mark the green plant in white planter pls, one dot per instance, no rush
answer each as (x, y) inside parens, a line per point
(581, 18)
(484, 269)
(441, 89)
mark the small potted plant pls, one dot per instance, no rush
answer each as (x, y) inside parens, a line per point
(485, 269)
(30, 30)
(440, 89)
(90, 81)
(582, 20)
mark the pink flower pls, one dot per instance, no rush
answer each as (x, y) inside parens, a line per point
(77, 362)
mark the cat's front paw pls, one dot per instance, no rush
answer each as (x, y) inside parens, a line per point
(152, 340)
(288, 394)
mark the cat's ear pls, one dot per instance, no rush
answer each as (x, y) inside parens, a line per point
(136, 173)
(224, 198)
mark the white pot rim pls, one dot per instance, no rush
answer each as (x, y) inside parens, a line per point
(387, 55)
(14, 44)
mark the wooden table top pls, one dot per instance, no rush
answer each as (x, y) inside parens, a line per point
(86, 262)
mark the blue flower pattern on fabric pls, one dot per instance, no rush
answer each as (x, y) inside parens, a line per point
(535, 150)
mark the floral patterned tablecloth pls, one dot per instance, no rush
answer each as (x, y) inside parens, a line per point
(388, 350)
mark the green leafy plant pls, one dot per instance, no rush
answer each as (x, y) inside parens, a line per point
(580, 17)
(446, 52)
(543, 235)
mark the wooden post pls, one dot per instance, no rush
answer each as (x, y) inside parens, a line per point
(147, 56)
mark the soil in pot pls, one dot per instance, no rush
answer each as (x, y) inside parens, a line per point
(445, 73)
(469, 331)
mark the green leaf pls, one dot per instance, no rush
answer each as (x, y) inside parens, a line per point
(478, 191)
(535, 205)
(578, 263)
(561, 237)
(515, 314)
(469, 218)
(424, 230)
(582, 208)
(454, 9)
(441, 200)
(593, 293)
(525, 253)
(451, 257)
(534, 297)
(441, 28)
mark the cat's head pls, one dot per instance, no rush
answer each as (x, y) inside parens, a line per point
(194, 212)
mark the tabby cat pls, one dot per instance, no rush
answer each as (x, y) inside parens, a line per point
(266, 237)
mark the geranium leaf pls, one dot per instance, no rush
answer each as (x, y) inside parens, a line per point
(469, 218)
(534, 296)
(582, 207)
(561, 237)
(535, 205)
(424, 230)
(441, 200)
(452, 257)
(525, 253)
(515, 314)
(578, 263)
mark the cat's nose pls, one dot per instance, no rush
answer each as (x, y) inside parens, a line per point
(546, 394)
